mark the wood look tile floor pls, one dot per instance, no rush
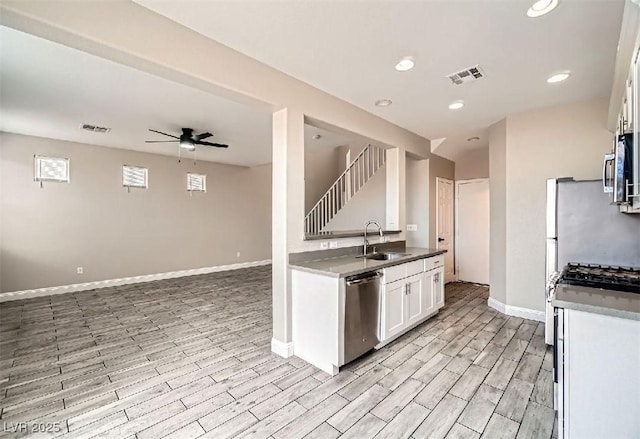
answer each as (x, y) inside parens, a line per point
(190, 357)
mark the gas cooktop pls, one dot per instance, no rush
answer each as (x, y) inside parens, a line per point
(602, 276)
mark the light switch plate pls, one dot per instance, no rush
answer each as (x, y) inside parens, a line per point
(412, 227)
(324, 245)
(333, 244)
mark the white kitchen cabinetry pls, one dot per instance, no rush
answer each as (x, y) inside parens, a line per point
(410, 295)
(394, 319)
(437, 281)
(598, 381)
(419, 298)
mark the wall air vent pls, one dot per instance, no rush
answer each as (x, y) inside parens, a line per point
(467, 75)
(95, 128)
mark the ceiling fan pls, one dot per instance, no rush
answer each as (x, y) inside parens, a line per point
(187, 139)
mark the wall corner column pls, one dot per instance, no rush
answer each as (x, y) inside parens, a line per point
(396, 189)
(287, 218)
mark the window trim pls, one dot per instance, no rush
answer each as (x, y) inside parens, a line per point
(37, 159)
(133, 167)
(204, 182)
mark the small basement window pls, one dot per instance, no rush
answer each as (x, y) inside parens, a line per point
(135, 176)
(196, 182)
(51, 169)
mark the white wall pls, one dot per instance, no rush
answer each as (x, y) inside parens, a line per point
(94, 222)
(321, 170)
(473, 164)
(369, 203)
(418, 202)
(525, 150)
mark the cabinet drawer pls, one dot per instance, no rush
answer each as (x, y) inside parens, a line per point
(414, 267)
(434, 262)
(392, 274)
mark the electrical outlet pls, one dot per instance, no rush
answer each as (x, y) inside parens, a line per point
(80, 270)
(333, 244)
(412, 227)
(238, 255)
(324, 245)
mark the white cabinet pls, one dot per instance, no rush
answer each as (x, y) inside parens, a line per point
(437, 282)
(409, 295)
(416, 303)
(598, 384)
(393, 318)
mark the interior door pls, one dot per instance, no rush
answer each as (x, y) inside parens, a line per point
(444, 224)
(472, 256)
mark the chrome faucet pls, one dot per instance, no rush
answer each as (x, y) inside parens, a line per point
(366, 242)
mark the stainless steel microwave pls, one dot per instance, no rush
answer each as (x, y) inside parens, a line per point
(617, 172)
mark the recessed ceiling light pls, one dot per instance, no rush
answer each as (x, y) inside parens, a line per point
(383, 102)
(473, 139)
(541, 7)
(558, 77)
(456, 105)
(317, 137)
(405, 64)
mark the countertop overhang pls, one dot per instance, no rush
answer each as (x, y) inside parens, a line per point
(595, 300)
(349, 265)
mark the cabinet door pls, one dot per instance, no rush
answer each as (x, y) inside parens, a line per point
(438, 287)
(419, 299)
(393, 312)
(429, 292)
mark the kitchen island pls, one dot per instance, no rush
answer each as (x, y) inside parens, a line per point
(408, 289)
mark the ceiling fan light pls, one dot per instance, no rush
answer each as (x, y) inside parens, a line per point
(187, 144)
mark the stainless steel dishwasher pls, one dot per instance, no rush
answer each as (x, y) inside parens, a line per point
(362, 314)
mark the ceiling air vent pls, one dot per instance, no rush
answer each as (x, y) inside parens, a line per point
(467, 75)
(95, 128)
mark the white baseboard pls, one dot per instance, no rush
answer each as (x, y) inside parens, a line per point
(285, 350)
(516, 311)
(39, 292)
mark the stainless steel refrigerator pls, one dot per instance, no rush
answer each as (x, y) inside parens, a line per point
(583, 226)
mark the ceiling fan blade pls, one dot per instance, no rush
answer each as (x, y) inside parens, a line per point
(161, 141)
(202, 136)
(217, 145)
(164, 134)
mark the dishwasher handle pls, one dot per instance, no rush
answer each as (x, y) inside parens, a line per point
(357, 280)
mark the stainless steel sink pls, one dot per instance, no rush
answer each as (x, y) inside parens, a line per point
(383, 256)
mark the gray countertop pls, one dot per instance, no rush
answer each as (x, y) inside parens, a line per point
(606, 302)
(348, 265)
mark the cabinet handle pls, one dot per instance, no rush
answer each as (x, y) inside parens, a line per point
(408, 289)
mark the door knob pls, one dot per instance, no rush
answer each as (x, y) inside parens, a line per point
(440, 239)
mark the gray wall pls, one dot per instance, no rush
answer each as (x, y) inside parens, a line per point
(525, 150)
(474, 164)
(322, 167)
(418, 201)
(498, 211)
(94, 223)
(562, 141)
(438, 167)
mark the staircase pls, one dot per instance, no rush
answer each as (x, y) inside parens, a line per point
(359, 171)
